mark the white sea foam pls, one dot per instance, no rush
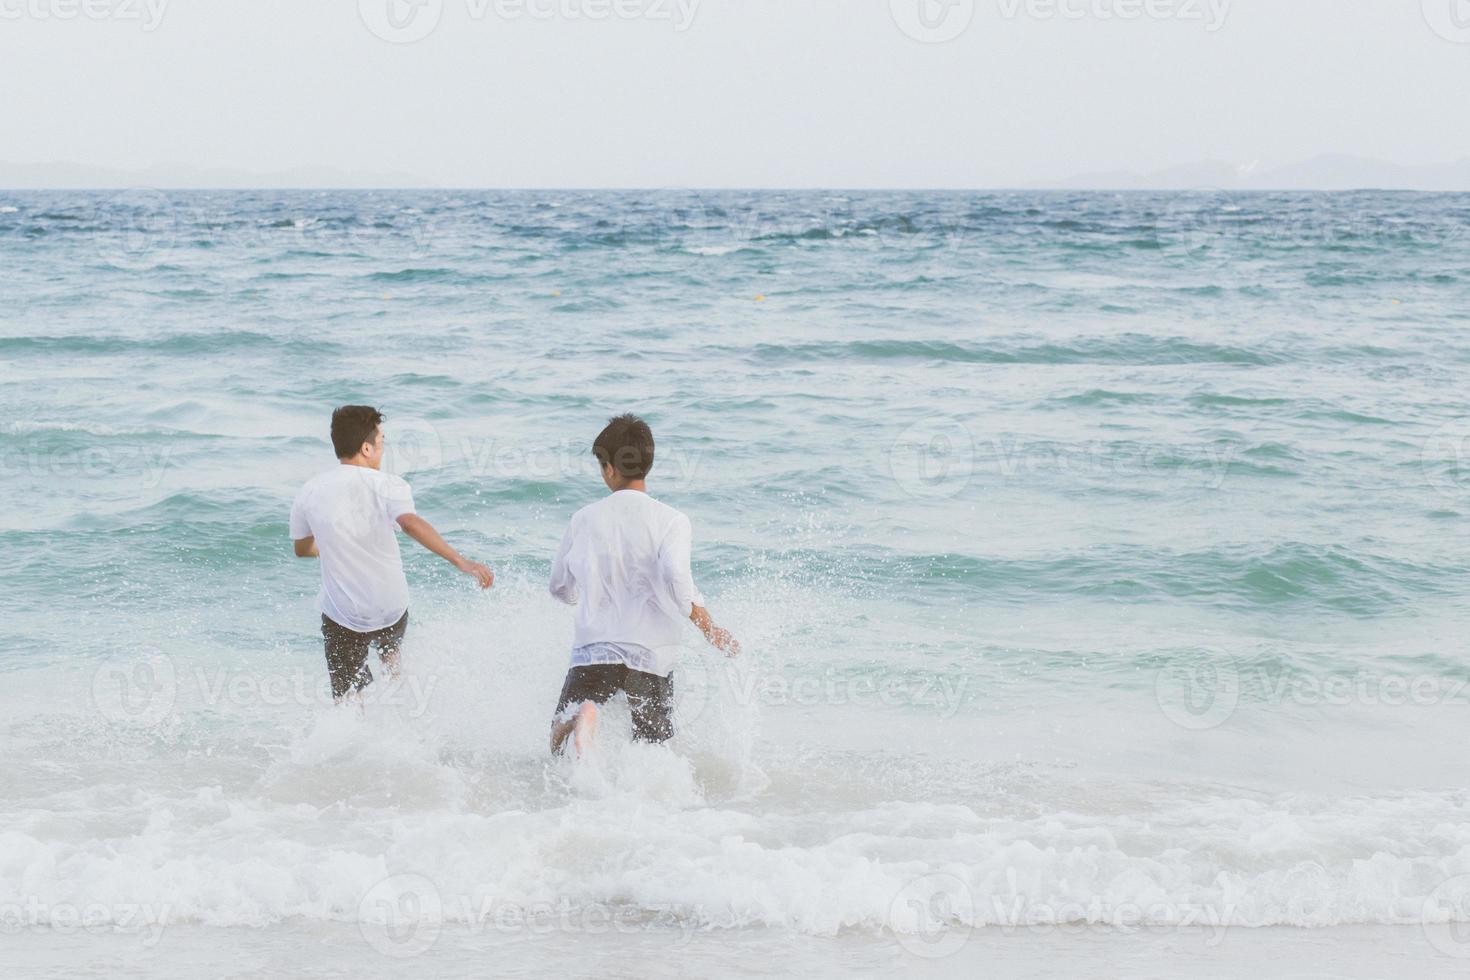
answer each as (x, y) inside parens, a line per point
(251, 810)
(713, 250)
(225, 861)
(26, 427)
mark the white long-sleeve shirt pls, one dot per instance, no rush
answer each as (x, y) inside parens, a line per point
(624, 562)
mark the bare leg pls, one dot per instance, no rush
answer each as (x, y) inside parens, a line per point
(353, 697)
(586, 727)
(388, 653)
(559, 732)
(391, 645)
(583, 725)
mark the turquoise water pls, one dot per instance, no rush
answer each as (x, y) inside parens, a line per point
(1096, 556)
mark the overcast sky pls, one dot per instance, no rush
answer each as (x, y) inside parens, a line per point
(709, 93)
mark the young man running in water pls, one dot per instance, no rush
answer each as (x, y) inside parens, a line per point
(624, 562)
(346, 517)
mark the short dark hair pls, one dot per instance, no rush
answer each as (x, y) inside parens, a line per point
(627, 445)
(353, 425)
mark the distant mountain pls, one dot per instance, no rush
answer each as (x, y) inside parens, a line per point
(26, 176)
(1328, 172)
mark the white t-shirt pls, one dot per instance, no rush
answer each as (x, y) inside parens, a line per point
(352, 511)
(624, 562)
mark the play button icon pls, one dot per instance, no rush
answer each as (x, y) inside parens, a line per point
(1450, 19)
(401, 21)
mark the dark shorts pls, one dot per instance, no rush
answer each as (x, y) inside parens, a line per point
(651, 697)
(347, 653)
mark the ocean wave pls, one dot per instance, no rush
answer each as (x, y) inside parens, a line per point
(414, 275)
(1097, 397)
(1328, 578)
(1217, 863)
(715, 251)
(1217, 400)
(182, 343)
(1125, 349)
(31, 427)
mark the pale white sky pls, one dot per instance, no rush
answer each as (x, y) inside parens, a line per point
(729, 92)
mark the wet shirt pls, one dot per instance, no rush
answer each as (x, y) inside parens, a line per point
(352, 511)
(624, 562)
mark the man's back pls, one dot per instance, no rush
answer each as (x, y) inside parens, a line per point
(625, 562)
(351, 512)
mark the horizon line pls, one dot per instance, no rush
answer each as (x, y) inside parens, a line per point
(1100, 189)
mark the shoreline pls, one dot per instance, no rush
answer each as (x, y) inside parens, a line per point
(328, 949)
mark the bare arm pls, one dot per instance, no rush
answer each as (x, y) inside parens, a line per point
(423, 532)
(306, 548)
(718, 637)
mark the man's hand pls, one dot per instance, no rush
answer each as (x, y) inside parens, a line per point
(423, 532)
(306, 548)
(479, 572)
(719, 638)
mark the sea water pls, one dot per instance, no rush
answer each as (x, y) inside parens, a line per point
(1099, 561)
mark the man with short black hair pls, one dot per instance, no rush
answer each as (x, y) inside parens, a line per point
(346, 517)
(624, 562)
